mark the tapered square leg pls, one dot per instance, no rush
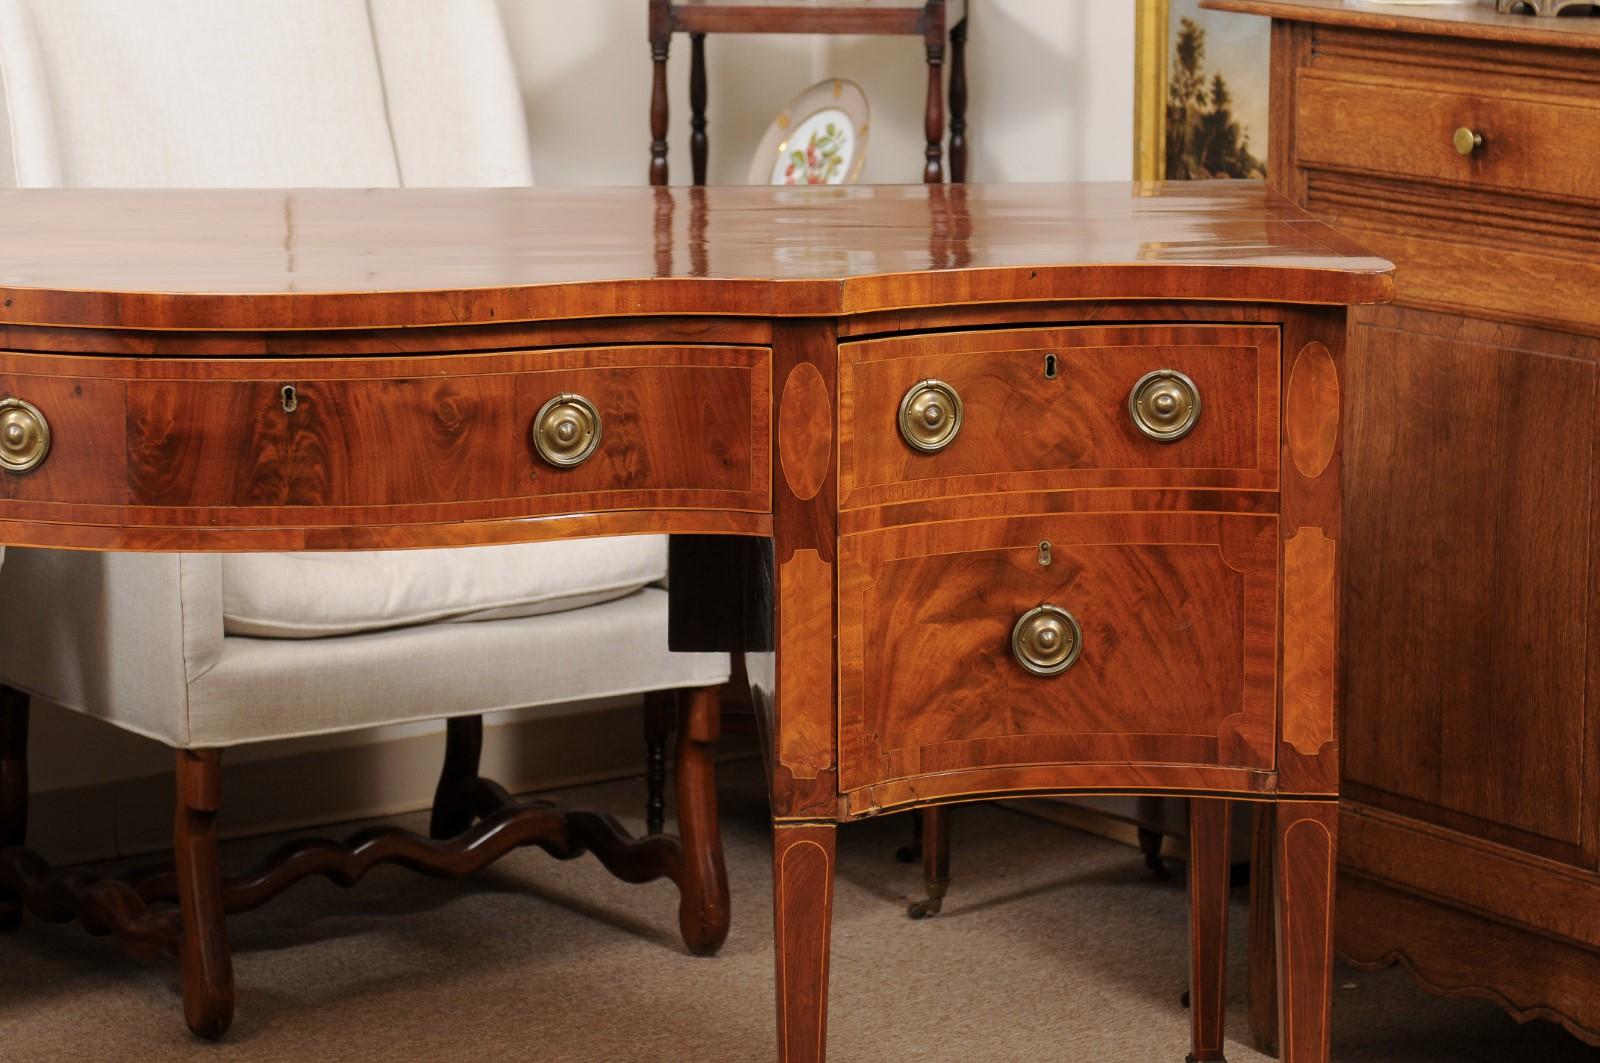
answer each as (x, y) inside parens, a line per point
(1263, 936)
(1305, 861)
(802, 900)
(1209, 867)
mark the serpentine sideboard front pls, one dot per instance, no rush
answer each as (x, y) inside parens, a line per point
(1002, 489)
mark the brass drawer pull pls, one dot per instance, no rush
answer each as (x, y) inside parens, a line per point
(1466, 141)
(1046, 640)
(24, 436)
(566, 430)
(930, 416)
(1164, 405)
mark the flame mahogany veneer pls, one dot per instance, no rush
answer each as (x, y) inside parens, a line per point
(747, 349)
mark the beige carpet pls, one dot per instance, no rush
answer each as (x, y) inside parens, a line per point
(1055, 945)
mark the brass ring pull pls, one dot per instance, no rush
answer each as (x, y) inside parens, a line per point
(1164, 405)
(1466, 141)
(930, 416)
(566, 431)
(24, 436)
(1046, 640)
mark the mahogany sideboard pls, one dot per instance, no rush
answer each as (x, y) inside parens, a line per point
(1003, 489)
(1462, 144)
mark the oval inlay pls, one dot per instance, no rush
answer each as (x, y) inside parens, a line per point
(805, 430)
(1311, 410)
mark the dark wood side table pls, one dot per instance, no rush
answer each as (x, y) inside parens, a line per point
(932, 20)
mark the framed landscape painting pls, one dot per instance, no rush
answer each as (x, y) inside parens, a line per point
(1200, 102)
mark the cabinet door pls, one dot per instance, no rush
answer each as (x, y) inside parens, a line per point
(1469, 596)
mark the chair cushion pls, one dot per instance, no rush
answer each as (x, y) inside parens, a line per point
(312, 595)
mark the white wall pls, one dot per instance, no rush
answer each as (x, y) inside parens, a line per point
(1050, 87)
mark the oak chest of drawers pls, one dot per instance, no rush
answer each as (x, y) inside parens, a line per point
(1465, 147)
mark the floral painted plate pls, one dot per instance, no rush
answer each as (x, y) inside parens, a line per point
(819, 139)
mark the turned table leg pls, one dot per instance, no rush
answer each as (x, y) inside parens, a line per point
(203, 951)
(802, 905)
(1306, 843)
(1209, 869)
(703, 887)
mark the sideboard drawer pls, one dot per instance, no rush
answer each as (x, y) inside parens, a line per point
(1406, 127)
(1049, 408)
(1177, 657)
(402, 438)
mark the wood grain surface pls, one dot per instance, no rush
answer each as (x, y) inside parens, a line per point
(187, 444)
(1025, 431)
(1469, 583)
(320, 259)
(1178, 613)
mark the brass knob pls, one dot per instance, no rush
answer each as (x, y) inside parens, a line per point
(1046, 640)
(930, 416)
(1164, 405)
(24, 436)
(1466, 141)
(566, 430)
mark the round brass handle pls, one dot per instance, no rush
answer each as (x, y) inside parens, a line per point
(566, 430)
(24, 436)
(1046, 640)
(1466, 141)
(930, 416)
(1164, 405)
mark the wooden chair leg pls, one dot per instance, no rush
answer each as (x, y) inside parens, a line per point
(1306, 844)
(802, 901)
(958, 102)
(935, 862)
(1210, 867)
(698, 144)
(658, 714)
(660, 44)
(203, 953)
(463, 748)
(703, 911)
(1263, 969)
(933, 118)
(13, 789)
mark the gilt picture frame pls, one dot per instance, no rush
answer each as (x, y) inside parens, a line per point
(1200, 93)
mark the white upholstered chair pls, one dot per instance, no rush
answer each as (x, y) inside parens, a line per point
(203, 652)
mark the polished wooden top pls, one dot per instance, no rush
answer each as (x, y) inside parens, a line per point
(260, 259)
(1481, 22)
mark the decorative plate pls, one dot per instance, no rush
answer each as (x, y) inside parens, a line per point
(819, 139)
